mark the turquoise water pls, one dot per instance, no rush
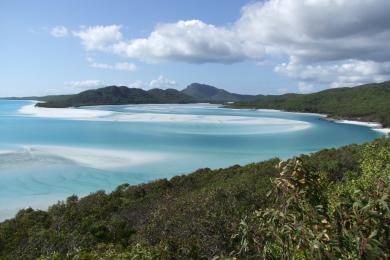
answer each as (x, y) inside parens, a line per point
(48, 154)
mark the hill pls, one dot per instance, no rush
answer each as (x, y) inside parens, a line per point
(333, 204)
(114, 95)
(207, 93)
(370, 102)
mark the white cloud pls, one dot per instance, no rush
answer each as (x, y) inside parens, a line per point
(185, 41)
(84, 83)
(319, 30)
(190, 41)
(99, 38)
(139, 84)
(59, 31)
(330, 42)
(161, 82)
(121, 66)
(342, 74)
(283, 91)
(304, 87)
(306, 30)
(126, 66)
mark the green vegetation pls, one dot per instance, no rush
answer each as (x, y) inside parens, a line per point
(207, 93)
(366, 103)
(331, 204)
(114, 95)
(369, 102)
(311, 216)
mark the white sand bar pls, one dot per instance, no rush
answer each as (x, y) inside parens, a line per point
(99, 115)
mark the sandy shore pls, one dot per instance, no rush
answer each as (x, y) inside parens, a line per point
(89, 114)
(374, 125)
(99, 115)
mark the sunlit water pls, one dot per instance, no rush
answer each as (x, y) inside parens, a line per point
(49, 154)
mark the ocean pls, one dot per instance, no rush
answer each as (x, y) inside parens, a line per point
(47, 155)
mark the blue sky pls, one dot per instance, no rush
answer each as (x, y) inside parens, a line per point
(269, 47)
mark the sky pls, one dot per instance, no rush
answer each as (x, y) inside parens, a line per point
(252, 47)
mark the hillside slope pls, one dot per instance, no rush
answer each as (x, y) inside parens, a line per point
(321, 206)
(207, 93)
(369, 102)
(114, 95)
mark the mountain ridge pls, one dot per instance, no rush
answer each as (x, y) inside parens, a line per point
(120, 95)
(207, 93)
(116, 95)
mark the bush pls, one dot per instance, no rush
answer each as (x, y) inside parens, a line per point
(311, 216)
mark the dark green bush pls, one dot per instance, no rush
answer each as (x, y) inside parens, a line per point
(332, 204)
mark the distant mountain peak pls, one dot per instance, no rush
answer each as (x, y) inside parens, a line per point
(207, 93)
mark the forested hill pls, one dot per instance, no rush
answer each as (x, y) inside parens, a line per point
(114, 95)
(333, 204)
(207, 93)
(369, 102)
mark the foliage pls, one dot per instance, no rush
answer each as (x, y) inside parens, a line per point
(311, 216)
(191, 215)
(333, 203)
(114, 95)
(367, 102)
(207, 93)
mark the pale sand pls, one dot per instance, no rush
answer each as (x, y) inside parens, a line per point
(98, 115)
(103, 159)
(66, 113)
(374, 125)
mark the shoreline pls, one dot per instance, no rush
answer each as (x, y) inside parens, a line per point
(93, 158)
(110, 116)
(375, 126)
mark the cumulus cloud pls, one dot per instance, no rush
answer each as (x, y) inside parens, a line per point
(139, 84)
(306, 30)
(318, 30)
(121, 66)
(84, 83)
(59, 31)
(190, 41)
(161, 82)
(324, 38)
(126, 66)
(342, 74)
(329, 42)
(99, 38)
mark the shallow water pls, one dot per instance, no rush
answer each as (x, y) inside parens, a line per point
(49, 154)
